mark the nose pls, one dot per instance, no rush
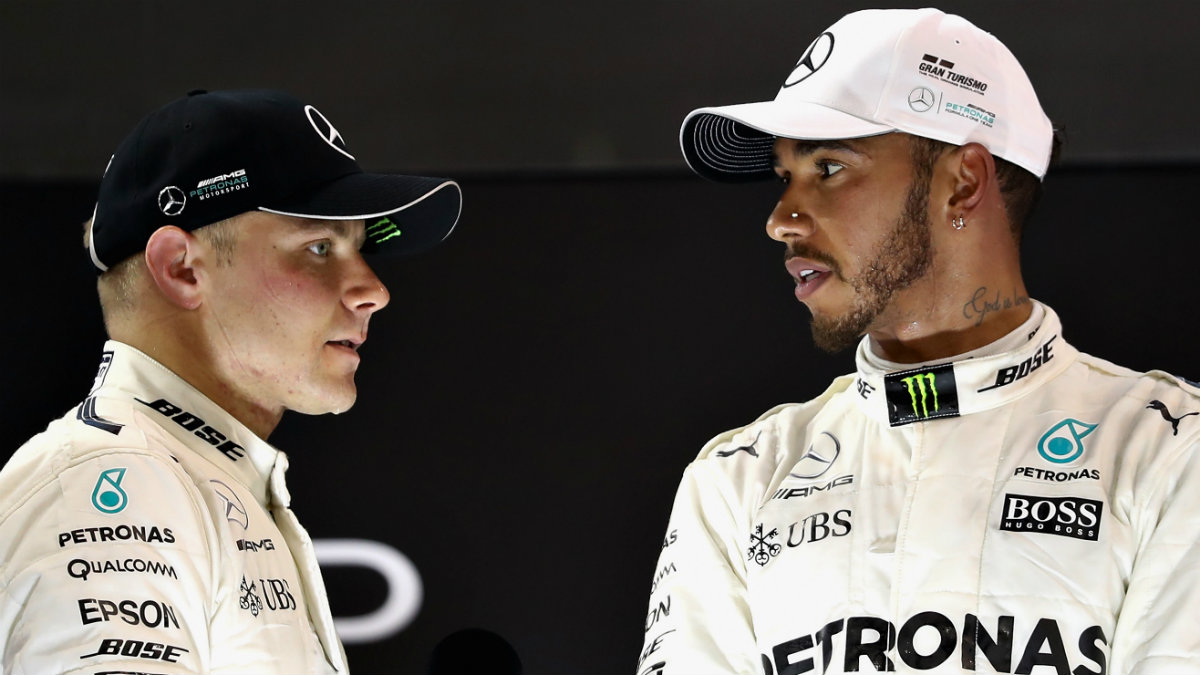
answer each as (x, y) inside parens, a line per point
(365, 293)
(788, 220)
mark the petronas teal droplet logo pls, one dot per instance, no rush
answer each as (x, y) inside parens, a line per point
(1063, 443)
(108, 497)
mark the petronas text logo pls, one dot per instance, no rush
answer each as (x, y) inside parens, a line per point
(922, 388)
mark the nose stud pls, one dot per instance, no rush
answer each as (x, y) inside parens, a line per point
(795, 215)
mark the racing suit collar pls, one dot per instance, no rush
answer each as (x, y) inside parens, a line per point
(179, 409)
(953, 388)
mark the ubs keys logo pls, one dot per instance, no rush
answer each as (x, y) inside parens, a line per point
(107, 496)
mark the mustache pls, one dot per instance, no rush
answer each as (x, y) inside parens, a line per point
(802, 250)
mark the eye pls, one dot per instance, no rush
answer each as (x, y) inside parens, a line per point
(320, 248)
(828, 168)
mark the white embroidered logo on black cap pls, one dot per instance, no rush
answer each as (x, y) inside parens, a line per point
(326, 130)
(814, 57)
(171, 200)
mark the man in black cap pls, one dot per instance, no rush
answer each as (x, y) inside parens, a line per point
(148, 529)
(978, 494)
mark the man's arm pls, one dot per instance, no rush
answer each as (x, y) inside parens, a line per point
(699, 618)
(1157, 628)
(107, 568)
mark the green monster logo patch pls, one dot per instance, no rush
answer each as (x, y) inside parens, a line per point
(919, 395)
(382, 230)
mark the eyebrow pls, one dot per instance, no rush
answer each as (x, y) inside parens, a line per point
(804, 148)
(341, 229)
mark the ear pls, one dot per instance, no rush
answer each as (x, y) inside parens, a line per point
(171, 257)
(974, 171)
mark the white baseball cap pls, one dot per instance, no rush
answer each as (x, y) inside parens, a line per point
(920, 71)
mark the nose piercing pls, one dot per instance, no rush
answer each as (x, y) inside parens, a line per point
(795, 215)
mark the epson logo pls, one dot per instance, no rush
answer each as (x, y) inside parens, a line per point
(197, 426)
(1073, 517)
(150, 613)
(224, 176)
(786, 493)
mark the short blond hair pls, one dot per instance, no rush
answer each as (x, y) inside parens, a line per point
(120, 285)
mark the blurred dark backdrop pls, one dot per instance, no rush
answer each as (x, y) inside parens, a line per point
(531, 396)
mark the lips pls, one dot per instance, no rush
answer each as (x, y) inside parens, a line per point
(809, 276)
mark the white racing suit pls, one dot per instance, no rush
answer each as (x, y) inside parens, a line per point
(148, 531)
(1035, 511)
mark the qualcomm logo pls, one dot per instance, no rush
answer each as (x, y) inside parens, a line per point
(1063, 443)
(404, 593)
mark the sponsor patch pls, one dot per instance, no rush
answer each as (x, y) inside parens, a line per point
(1073, 517)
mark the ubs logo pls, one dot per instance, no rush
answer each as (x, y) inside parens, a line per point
(812, 60)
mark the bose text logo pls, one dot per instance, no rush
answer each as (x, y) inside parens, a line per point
(1006, 376)
(1073, 517)
(197, 426)
(138, 649)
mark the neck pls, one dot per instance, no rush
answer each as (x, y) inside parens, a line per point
(170, 344)
(962, 322)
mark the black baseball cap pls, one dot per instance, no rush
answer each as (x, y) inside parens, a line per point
(212, 155)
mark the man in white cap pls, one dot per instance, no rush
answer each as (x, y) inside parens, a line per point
(149, 529)
(979, 495)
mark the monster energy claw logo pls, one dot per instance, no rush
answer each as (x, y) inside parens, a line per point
(382, 230)
(916, 396)
(916, 383)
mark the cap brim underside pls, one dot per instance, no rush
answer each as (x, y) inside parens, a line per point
(414, 213)
(733, 144)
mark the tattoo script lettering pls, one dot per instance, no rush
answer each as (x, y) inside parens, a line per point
(981, 304)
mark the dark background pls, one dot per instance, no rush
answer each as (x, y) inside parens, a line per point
(532, 394)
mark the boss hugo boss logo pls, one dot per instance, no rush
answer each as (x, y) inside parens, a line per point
(920, 395)
(812, 60)
(1073, 517)
(171, 200)
(326, 130)
(1063, 443)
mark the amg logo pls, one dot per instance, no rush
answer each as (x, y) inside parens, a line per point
(807, 490)
(224, 176)
(255, 546)
(1074, 517)
(197, 426)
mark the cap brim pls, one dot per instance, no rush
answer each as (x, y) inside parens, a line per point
(733, 144)
(404, 215)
